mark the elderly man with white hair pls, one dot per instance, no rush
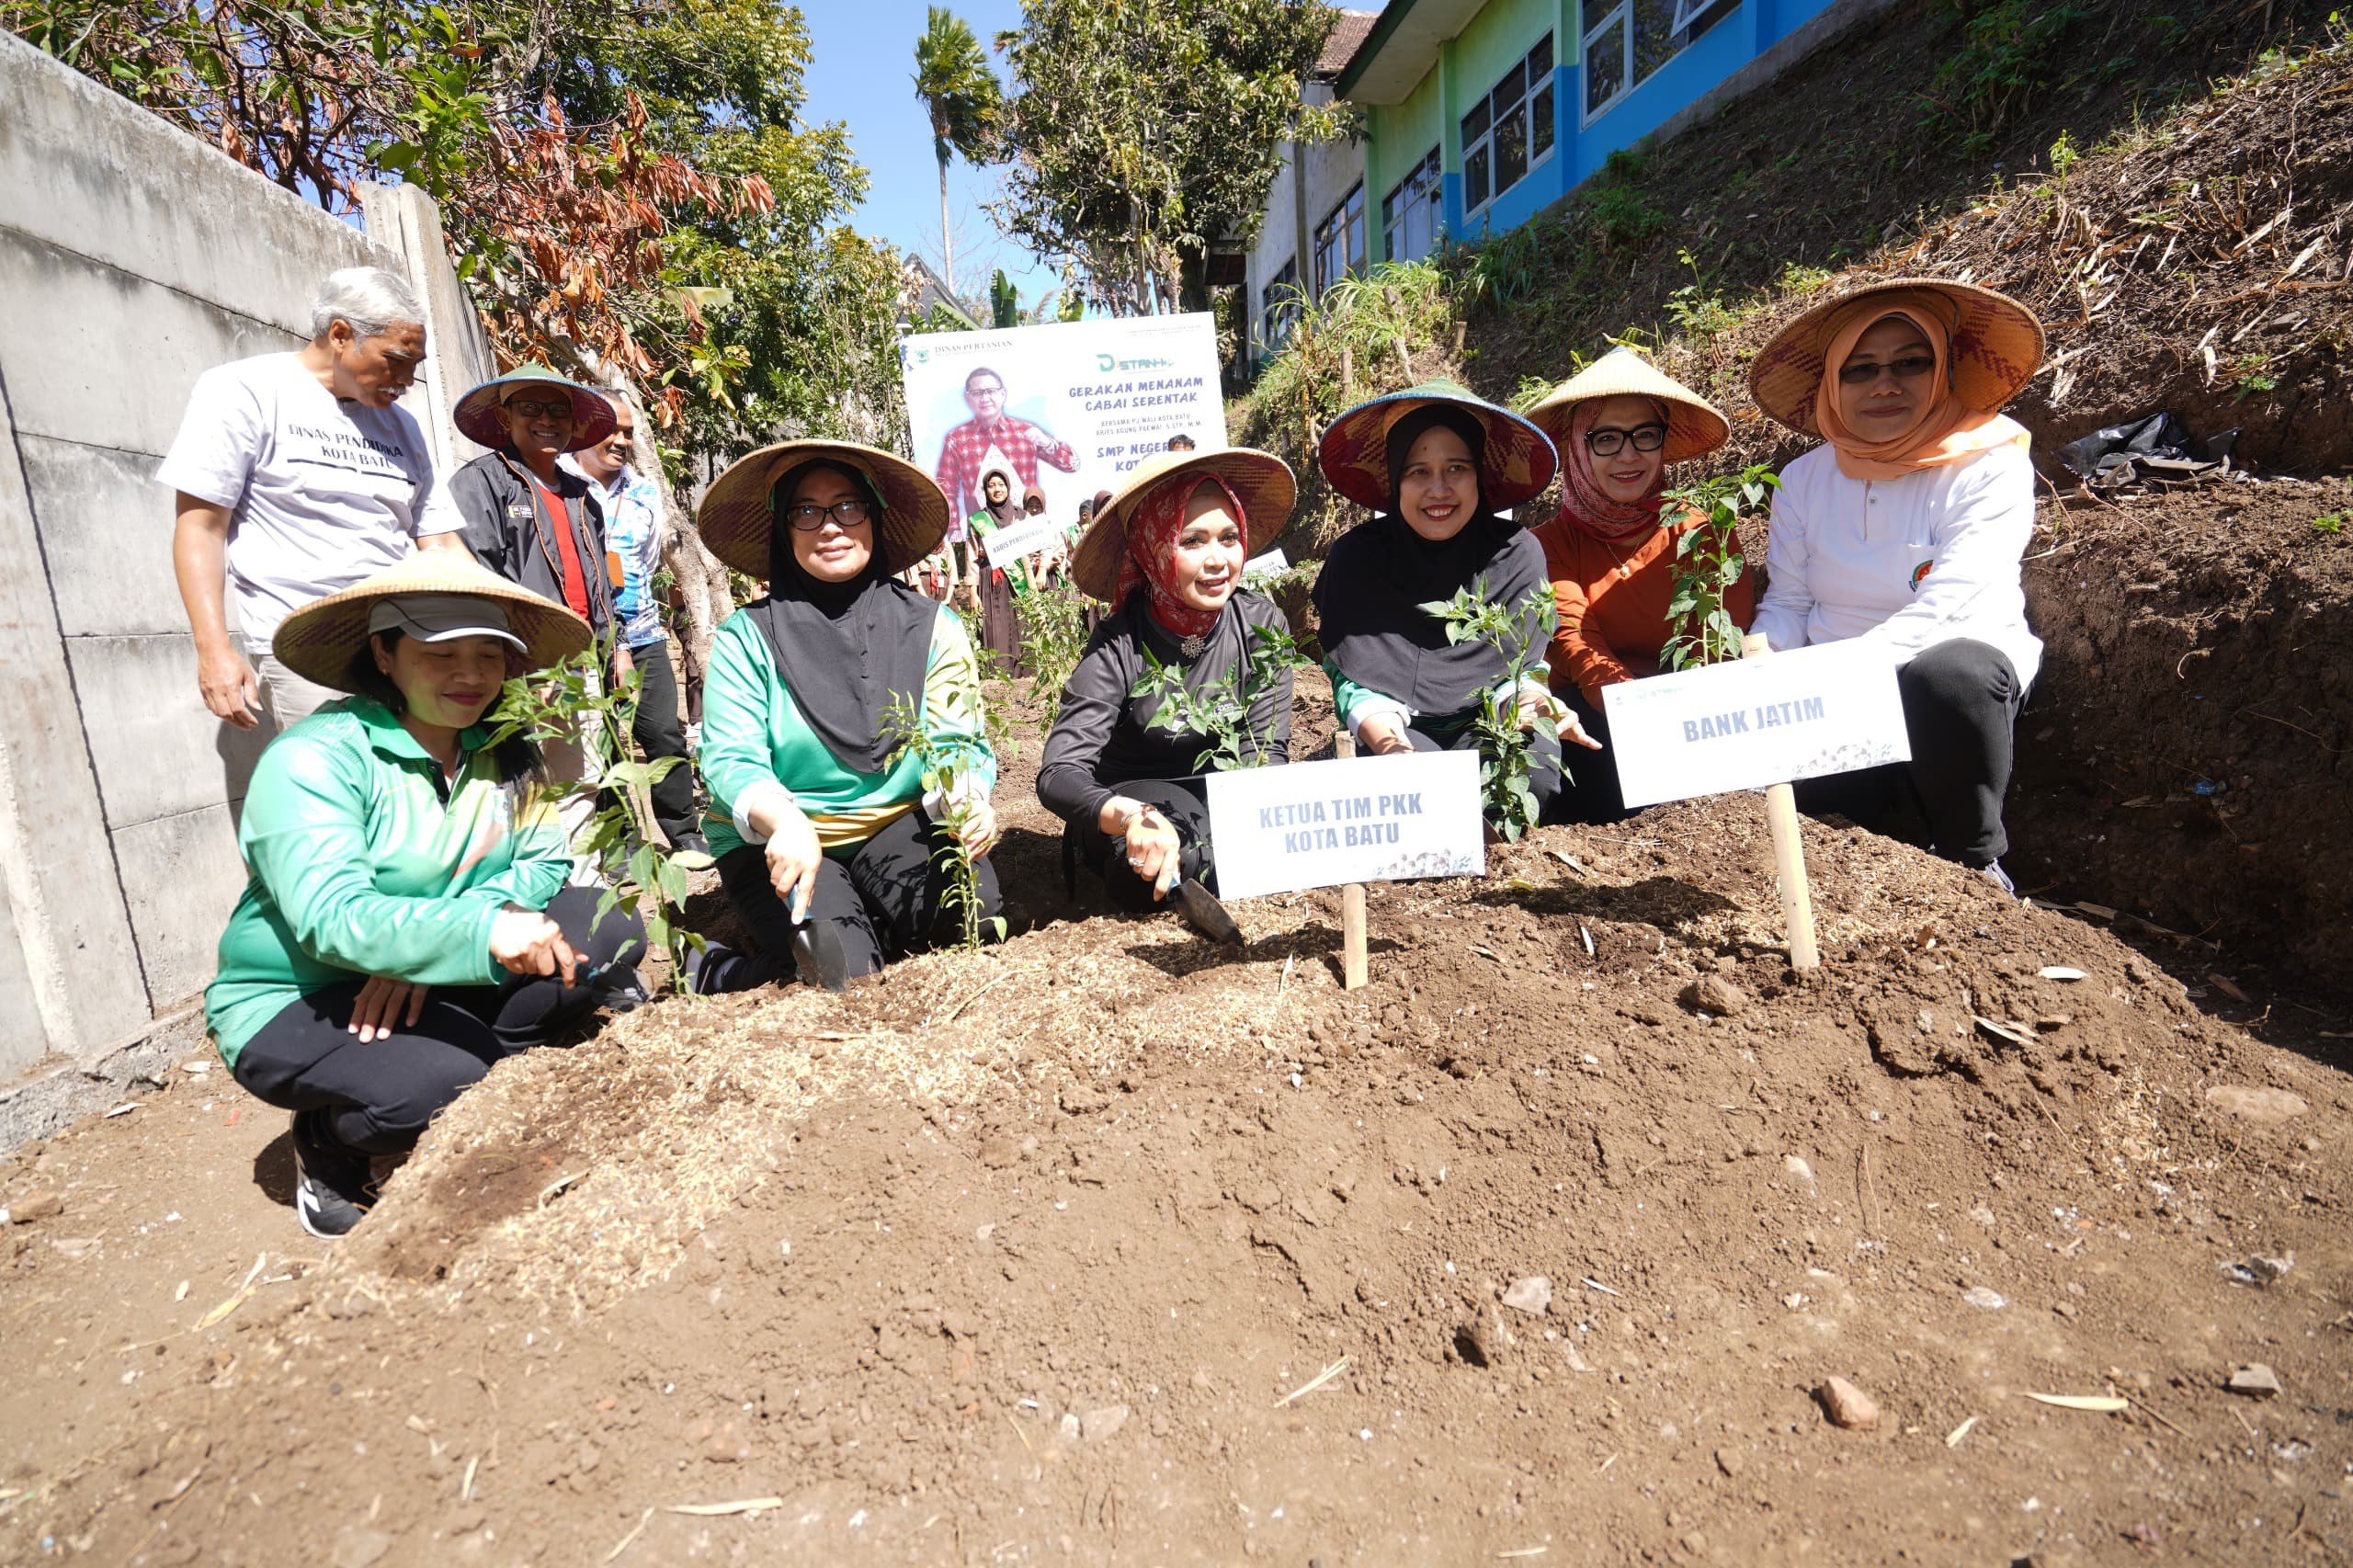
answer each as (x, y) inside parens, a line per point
(294, 476)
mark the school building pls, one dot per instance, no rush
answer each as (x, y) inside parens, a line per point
(1480, 114)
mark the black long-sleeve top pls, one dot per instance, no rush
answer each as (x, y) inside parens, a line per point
(1102, 741)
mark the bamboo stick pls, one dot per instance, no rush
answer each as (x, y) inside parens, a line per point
(1789, 854)
(1352, 951)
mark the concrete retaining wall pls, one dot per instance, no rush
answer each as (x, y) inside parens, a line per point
(133, 257)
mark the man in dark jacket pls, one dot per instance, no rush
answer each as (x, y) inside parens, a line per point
(525, 517)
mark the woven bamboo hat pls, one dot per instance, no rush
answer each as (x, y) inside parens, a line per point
(1517, 463)
(1694, 427)
(1261, 480)
(319, 641)
(1995, 344)
(738, 518)
(476, 415)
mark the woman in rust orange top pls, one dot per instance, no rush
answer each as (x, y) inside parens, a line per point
(1610, 554)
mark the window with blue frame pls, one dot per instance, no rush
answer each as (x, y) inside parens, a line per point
(1409, 213)
(1627, 40)
(1508, 132)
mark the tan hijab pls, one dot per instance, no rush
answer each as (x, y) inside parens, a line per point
(1948, 431)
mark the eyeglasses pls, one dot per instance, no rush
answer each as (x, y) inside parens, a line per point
(1607, 442)
(1911, 367)
(808, 516)
(534, 408)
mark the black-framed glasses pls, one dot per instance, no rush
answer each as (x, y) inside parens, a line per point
(1911, 367)
(1608, 442)
(534, 408)
(808, 516)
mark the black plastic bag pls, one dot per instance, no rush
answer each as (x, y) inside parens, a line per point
(2157, 446)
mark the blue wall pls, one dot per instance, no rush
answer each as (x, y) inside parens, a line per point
(1752, 27)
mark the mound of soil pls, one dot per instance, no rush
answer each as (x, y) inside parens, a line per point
(1106, 1245)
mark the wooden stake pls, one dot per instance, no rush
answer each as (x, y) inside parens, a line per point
(1347, 371)
(1789, 854)
(1352, 956)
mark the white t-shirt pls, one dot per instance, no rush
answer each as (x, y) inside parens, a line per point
(320, 492)
(1908, 562)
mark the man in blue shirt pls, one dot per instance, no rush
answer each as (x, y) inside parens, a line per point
(632, 507)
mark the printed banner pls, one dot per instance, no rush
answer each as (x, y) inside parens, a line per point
(1811, 712)
(1371, 819)
(1069, 407)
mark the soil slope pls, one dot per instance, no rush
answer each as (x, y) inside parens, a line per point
(1028, 1255)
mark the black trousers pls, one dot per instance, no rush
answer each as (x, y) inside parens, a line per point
(1181, 801)
(659, 735)
(1544, 772)
(1962, 700)
(382, 1095)
(886, 900)
(1590, 794)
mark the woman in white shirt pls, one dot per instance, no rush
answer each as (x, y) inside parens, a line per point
(1907, 525)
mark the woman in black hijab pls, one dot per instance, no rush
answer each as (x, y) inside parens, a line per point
(826, 818)
(1436, 464)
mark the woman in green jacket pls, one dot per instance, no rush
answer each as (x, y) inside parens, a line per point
(842, 737)
(405, 924)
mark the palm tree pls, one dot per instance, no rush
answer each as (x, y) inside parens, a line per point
(957, 87)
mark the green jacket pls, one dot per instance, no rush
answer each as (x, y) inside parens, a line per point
(753, 733)
(359, 865)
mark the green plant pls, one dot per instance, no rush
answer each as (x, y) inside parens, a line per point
(2064, 157)
(1053, 635)
(1531, 391)
(2329, 523)
(1517, 633)
(2248, 375)
(1626, 220)
(946, 761)
(1697, 312)
(1502, 269)
(1221, 709)
(2009, 56)
(572, 705)
(1708, 561)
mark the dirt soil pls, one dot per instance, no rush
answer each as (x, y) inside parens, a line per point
(1044, 1253)
(2188, 752)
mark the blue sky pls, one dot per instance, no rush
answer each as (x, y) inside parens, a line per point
(863, 74)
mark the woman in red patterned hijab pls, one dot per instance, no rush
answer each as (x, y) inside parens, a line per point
(1183, 641)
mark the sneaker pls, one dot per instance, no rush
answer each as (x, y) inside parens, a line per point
(332, 1185)
(1993, 873)
(620, 989)
(817, 955)
(1204, 914)
(692, 852)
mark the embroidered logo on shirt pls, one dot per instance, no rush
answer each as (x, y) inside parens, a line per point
(1921, 571)
(519, 511)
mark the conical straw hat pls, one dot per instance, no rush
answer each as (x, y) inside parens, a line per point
(1694, 427)
(737, 519)
(1519, 460)
(476, 415)
(1261, 480)
(319, 641)
(1996, 345)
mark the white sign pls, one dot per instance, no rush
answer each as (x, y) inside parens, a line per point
(1274, 563)
(1069, 407)
(1371, 819)
(1829, 709)
(1024, 538)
